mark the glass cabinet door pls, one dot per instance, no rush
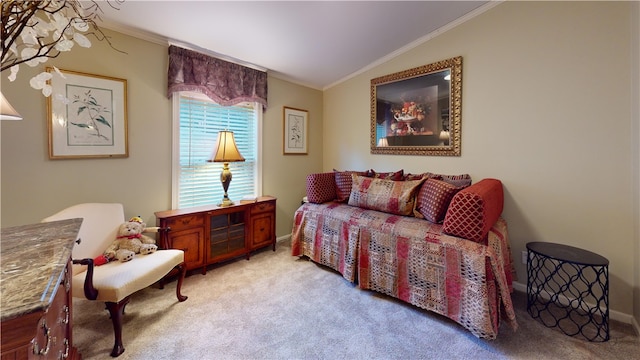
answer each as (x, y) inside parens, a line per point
(227, 235)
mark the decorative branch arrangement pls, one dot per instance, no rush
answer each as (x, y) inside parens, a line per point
(35, 31)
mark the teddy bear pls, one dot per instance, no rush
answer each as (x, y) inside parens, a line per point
(130, 241)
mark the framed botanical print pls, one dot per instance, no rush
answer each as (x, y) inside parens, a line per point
(87, 116)
(295, 127)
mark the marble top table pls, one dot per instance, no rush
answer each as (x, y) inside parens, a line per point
(32, 262)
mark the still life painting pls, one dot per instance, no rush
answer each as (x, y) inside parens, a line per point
(418, 111)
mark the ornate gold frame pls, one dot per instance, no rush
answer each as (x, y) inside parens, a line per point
(403, 118)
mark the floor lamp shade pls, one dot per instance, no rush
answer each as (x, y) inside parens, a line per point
(7, 112)
(225, 152)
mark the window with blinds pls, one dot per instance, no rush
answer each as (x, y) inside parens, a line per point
(196, 181)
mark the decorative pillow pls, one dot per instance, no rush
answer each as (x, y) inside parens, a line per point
(409, 177)
(343, 183)
(474, 210)
(394, 197)
(396, 176)
(433, 200)
(456, 180)
(321, 187)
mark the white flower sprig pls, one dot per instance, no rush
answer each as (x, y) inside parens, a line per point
(35, 31)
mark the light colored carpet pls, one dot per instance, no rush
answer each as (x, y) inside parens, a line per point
(276, 306)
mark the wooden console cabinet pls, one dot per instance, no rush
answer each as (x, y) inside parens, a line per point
(211, 234)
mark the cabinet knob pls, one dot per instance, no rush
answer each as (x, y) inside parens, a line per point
(47, 335)
(66, 349)
(67, 281)
(65, 309)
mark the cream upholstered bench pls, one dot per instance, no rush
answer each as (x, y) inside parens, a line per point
(113, 282)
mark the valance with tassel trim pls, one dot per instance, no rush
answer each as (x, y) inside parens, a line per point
(224, 82)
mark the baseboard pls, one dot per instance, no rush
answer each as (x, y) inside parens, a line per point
(613, 315)
(283, 238)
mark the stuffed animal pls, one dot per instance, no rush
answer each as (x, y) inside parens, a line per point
(130, 241)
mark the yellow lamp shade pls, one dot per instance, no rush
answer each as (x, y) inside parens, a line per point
(226, 149)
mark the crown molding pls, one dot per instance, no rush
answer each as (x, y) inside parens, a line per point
(165, 41)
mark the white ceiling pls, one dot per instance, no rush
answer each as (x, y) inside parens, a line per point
(313, 43)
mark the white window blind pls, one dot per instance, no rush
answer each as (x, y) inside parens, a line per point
(198, 180)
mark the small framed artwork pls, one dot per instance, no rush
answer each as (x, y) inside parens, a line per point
(296, 123)
(87, 116)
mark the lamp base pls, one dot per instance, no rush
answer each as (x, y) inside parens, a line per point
(225, 178)
(226, 202)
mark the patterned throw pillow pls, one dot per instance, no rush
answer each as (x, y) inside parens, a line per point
(409, 177)
(343, 184)
(321, 187)
(456, 180)
(394, 197)
(433, 200)
(474, 210)
(396, 176)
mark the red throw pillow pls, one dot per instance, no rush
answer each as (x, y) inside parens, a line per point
(344, 182)
(474, 210)
(321, 187)
(433, 200)
(395, 176)
(457, 180)
(409, 177)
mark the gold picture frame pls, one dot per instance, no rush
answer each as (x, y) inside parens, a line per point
(418, 111)
(295, 131)
(87, 116)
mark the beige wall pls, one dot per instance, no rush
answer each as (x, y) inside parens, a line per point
(284, 175)
(34, 187)
(546, 109)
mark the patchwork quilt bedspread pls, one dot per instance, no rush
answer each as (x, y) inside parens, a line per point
(412, 260)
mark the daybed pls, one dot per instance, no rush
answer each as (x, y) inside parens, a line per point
(434, 241)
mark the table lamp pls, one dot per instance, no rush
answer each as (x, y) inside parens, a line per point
(225, 152)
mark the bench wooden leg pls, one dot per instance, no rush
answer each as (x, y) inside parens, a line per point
(116, 310)
(183, 271)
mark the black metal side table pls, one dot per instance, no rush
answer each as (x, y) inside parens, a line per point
(568, 288)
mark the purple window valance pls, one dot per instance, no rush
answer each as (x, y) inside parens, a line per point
(224, 82)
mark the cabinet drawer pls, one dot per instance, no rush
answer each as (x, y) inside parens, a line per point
(263, 207)
(262, 231)
(185, 221)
